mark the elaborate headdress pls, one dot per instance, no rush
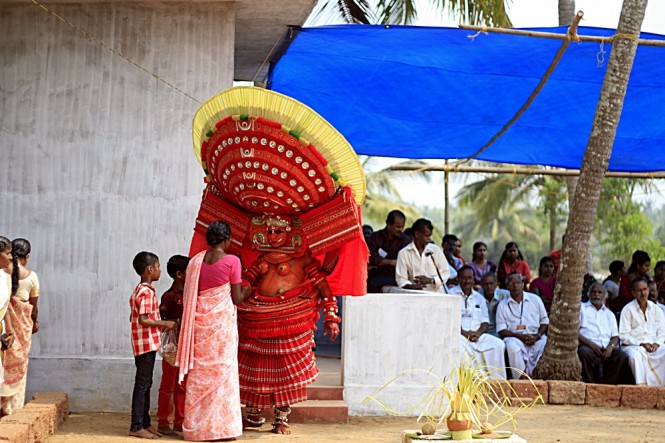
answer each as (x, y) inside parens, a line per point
(267, 154)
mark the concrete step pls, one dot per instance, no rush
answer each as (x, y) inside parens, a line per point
(320, 411)
(314, 411)
(315, 392)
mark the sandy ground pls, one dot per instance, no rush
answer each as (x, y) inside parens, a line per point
(542, 424)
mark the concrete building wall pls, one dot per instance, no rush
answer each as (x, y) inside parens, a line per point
(96, 164)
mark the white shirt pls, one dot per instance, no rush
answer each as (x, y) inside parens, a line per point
(522, 318)
(411, 264)
(598, 325)
(474, 309)
(636, 327)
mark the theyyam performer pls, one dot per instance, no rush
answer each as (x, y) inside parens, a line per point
(289, 186)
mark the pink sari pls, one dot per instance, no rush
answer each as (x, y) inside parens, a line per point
(208, 356)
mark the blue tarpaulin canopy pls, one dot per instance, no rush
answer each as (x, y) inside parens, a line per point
(436, 93)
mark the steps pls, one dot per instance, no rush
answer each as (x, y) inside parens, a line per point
(325, 398)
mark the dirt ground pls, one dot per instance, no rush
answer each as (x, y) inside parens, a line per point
(542, 424)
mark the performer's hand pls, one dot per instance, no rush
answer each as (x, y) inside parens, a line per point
(35, 327)
(332, 328)
(246, 292)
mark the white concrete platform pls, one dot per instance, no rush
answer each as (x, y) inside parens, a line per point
(386, 334)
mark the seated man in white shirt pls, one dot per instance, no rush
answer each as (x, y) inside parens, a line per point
(493, 295)
(522, 322)
(642, 333)
(602, 360)
(421, 264)
(484, 349)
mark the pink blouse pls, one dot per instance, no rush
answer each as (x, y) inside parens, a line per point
(226, 269)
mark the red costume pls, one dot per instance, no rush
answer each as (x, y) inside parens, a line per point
(276, 174)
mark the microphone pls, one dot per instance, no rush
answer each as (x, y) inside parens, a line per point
(430, 254)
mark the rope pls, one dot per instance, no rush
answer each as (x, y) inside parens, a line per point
(114, 51)
(265, 60)
(532, 97)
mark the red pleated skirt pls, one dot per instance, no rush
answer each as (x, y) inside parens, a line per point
(276, 371)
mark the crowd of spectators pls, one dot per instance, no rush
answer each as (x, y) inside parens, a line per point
(505, 312)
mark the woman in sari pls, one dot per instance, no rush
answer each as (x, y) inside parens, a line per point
(23, 314)
(6, 289)
(208, 345)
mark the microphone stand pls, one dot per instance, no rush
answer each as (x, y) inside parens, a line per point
(443, 283)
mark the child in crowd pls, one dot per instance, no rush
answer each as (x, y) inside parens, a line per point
(145, 341)
(171, 309)
(611, 283)
(545, 283)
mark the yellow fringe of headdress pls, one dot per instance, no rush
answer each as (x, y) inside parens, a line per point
(259, 102)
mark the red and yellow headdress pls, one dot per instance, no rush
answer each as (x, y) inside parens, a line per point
(266, 153)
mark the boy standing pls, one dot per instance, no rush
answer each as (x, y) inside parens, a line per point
(171, 309)
(145, 341)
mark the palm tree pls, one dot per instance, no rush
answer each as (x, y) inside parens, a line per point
(560, 360)
(403, 12)
(383, 192)
(503, 193)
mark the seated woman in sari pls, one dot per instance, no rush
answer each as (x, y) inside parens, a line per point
(208, 350)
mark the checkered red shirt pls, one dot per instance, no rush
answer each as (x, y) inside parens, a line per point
(144, 301)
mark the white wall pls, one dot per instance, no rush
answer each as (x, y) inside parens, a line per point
(96, 164)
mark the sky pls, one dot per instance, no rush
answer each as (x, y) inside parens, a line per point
(523, 14)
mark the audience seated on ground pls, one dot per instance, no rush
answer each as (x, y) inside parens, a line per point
(543, 286)
(493, 295)
(512, 261)
(479, 264)
(639, 267)
(384, 245)
(522, 323)
(449, 243)
(476, 344)
(421, 264)
(602, 360)
(611, 283)
(642, 333)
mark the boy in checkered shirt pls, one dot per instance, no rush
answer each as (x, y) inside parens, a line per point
(146, 337)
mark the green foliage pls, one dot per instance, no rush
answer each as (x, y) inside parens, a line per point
(621, 224)
(404, 12)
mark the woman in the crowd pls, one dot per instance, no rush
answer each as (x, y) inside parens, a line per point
(23, 315)
(639, 267)
(544, 284)
(6, 289)
(611, 283)
(208, 348)
(479, 264)
(512, 261)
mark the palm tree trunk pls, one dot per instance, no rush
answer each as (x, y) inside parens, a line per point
(560, 360)
(566, 12)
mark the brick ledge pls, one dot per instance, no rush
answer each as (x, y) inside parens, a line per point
(35, 422)
(559, 392)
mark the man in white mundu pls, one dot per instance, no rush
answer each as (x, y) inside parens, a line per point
(522, 322)
(642, 333)
(421, 264)
(483, 349)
